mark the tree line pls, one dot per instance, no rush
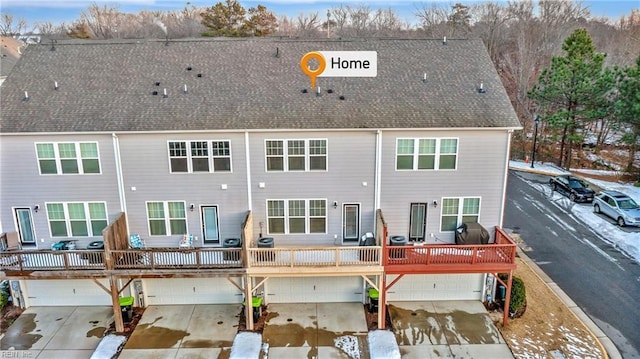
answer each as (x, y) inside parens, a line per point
(527, 41)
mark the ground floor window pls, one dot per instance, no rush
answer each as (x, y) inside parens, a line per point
(456, 211)
(296, 216)
(77, 219)
(167, 218)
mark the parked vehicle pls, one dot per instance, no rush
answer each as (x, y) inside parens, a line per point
(572, 187)
(617, 205)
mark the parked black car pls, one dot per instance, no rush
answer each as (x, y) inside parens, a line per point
(572, 187)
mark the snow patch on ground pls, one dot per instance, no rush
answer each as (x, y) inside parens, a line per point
(246, 345)
(383, 345)
(349, 345)
(109, 346)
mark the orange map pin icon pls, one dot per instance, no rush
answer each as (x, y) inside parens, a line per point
(322, 64)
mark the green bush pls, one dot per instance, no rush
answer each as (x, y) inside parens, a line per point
(4, 293)
(518, 295)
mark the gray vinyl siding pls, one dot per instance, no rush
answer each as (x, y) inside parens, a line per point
(145, 163)
(23, 186)
(350, 162)
(479, 173)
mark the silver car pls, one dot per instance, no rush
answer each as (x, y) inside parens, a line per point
(624, 210)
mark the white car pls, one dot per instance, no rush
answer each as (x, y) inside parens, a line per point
(624, 210)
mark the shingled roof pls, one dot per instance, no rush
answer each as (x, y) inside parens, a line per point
(232, 84)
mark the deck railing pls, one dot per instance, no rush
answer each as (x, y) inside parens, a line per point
(51, 260)
(161, 258)
(313, 257)
(502, 251)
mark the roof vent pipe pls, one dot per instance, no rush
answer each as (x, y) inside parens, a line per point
(55, 85)
(26, 96)
(319, 92)
(424, 77)
(185, 88)
(277, 52)
(444, 41)
(164, 93)
(481, 88)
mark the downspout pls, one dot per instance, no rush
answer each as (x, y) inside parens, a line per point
(247, 161)
(376, 198)
(120, 178)
(506, 175)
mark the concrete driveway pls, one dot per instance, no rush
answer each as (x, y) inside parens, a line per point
(57, 332)
(316, 330)
(184, 331)
(453, 329)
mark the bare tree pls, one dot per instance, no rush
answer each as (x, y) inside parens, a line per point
(9, 26)
(490, 20)
(359, 19)
(433, 19)
(103, 22)
(308, 25)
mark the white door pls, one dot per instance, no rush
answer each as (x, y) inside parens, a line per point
(210, 232)
(25, 225)
(436, 287)
(314, 289)
(66, 292)
(191, 291)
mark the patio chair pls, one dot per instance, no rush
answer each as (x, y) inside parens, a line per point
(186, 241)
(136, 242)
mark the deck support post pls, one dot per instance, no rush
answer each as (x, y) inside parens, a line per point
(382, 302)
(115, 302)
(507, 300)
(248, 302)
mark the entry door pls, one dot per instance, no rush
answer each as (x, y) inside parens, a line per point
(25, 225)
(417, 221)
(350, 222)
(210, 230)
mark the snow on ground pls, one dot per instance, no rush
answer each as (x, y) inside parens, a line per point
(108, 346)
(626, 239)
(349, 345)
(383, 345)
(246, 345)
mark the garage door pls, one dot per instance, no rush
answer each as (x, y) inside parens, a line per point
(314, 289)
(191, 291)
(76, 292)
(436, 287)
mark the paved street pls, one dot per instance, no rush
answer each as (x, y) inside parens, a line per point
(601, 280)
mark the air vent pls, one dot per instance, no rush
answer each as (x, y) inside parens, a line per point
(154, 93)
(304, 91)
(341, 97)
(329, 91)
(157, 83)
(189, 68)
(199, 75)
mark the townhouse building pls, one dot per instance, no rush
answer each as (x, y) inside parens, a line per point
(240, 178)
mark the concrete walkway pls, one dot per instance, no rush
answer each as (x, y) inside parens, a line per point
(56, 332)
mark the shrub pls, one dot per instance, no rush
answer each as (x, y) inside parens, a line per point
(518, 295)
(4, 293)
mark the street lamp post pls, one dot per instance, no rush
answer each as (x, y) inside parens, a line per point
(328, 23)
(535, 140)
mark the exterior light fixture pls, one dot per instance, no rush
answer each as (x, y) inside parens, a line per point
(435, 203)
(192, 207)
(36, 208)
(335, 205)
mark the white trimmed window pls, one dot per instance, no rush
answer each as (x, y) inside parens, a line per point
(77, 219)
(296, 155)
(167, 218)
(297, 216)
(58, 158)
(199, 156)
(426, 154)
(455, 211)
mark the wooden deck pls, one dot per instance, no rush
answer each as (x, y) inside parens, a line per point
(496, 257)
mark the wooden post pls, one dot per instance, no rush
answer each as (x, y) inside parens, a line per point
(115, 302)
(507, 300)
(248, 303)
(382, 302)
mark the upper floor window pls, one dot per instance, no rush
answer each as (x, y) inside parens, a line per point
(68, 157)
(456, 211)
(297, 216)
(77, 219)
(167, 218)
(199, 156)
(426, 153)
(296, 155)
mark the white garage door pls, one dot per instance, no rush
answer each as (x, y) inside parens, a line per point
(436, 287)
(66, 292)
(314, 289)
(191, 291)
